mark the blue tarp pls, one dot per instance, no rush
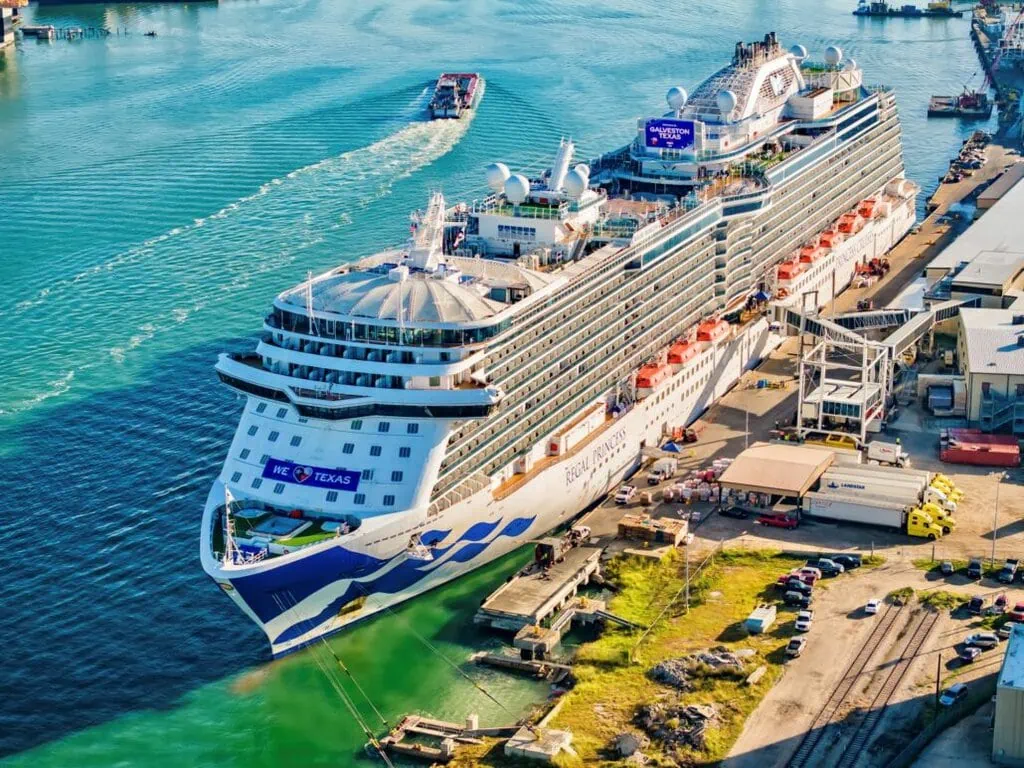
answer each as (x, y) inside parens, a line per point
(762, 296)
(671, 447)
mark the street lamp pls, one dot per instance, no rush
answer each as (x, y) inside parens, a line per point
(995, 516)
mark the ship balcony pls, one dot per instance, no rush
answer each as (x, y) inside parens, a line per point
(368, 361)
(385, 395)
(500, 207)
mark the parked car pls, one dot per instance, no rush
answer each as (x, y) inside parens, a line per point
(737, 512)
(982, 640)
(874, 606)
(1006, 629)
(795, 585)
(625, 494)
(969, 654)
(808, 573)
(999, 606)
(795, 647)
(804, 619)
(778, 521)
(826, 566)
(797, 599)
(1017, 614)
(953, 695)
(947, 568)
(976, 605)
(975, 568)
(847, 560)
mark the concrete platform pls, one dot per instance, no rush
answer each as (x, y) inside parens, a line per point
(534, 596)
(542, 744)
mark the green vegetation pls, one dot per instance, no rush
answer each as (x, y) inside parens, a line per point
(959, 566)
(307, 538)
(901, 595)
(941, 600)
(871, 561)
(610, 688)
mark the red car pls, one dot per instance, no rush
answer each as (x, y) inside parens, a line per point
(778, 521)
(1017, 614)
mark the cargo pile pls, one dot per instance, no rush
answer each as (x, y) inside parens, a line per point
(972, 446)
(699, 485)
(676, 726)
(663, 530)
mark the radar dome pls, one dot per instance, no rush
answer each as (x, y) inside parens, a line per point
(851, 64)
(726, 103)
(517, 188)
(833, 55)
(575, 182)
(799, 52)
(583, 168)
(676, 97)
(497, 175)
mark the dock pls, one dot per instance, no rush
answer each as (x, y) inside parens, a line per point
(536, 593)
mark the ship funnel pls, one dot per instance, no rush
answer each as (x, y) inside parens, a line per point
(561, 165)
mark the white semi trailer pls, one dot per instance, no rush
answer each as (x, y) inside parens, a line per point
(871, 511)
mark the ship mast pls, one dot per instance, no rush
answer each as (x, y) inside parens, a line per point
(309, 304)
(230, 548)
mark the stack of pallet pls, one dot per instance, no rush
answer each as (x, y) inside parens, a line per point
(646, 528)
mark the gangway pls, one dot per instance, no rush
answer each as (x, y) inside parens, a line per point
(875, 319)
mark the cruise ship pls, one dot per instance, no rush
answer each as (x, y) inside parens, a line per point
(416, 414)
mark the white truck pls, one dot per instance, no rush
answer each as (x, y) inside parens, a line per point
(936, 496)
(661, 470)
(856, 485)
(888, 453)
(870, 511)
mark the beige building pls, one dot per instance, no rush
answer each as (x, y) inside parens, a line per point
(990, 349)
(1008, 726)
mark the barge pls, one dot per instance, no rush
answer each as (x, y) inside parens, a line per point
(969, 104)
(455, 94)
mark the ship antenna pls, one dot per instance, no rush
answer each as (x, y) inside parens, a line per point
(309, 304)
(230, 548)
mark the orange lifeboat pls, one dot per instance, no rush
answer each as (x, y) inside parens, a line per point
(850, 223)
(867, 208)
(651, 376)
(682, 352)
(788, 270)
(810, 253)
(712, 330)
(830, 239)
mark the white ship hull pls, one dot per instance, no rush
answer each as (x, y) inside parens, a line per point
(482, 527)
(835, 272)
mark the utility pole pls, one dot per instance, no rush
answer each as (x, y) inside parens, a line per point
(687, 579)
(746, 426)
(938, 680)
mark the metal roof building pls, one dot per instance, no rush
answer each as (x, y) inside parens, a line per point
(1008, 729)
(777, 469)
(990, 348)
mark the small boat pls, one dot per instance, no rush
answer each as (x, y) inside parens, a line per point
(455, 94)
(969, 104)
(151, 33)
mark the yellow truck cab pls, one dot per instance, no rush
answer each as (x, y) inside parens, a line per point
(939, 516)
(946, 485)
(920, 523)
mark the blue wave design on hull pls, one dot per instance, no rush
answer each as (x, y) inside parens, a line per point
(406, 574)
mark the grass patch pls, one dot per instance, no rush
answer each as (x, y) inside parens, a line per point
(959, 566)
(901, 595)
(940, 600)
(307, 538)
(872, 561)
(610, 688)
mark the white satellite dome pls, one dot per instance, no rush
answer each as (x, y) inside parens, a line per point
(583, 168)
(833, 55)
(575, 182)
(676, 97)
(517, 188)
(851, 63)
(497, 175)
(726, 101)
(799, 52)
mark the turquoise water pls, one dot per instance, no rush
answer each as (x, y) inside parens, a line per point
(157, 193)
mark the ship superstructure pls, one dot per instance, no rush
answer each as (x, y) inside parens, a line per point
(418, 413)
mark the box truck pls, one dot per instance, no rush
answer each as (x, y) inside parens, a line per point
(871, 511)
(663, 469)
(887, 453)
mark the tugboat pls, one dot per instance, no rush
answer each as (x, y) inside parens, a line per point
(970, 104)
(455, 94)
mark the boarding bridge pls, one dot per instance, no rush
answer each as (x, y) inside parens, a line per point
(875, 319)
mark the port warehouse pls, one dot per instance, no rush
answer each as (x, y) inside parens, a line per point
(782, 479)
(983, 266)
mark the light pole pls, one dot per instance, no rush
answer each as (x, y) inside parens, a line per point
(995, 516)
(746, 426)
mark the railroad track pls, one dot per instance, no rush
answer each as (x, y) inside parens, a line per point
(830, 709)
(867, 726)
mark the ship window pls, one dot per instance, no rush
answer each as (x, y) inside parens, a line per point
(279, 488)
(253, 430)
(384, 426)
(257, 482)
(272, 437)
(332, 496)
(264, 458)
(359, 498)
(445, 357)
(295, 441)
(261, 408)
(303, 420)
(357, 424)
(412, 429)
(244, 454)
(375, 450)
(367, 474)
(396, 476)
(404, 452)
(435, 381)
(389, 500)
(348, 447)
(282, 412)
(236, 477)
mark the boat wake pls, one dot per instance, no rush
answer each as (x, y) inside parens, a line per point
(247, 247)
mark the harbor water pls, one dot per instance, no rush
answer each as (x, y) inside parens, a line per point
(157, 193)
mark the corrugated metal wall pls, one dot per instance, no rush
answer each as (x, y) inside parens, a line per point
(1008, 734)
